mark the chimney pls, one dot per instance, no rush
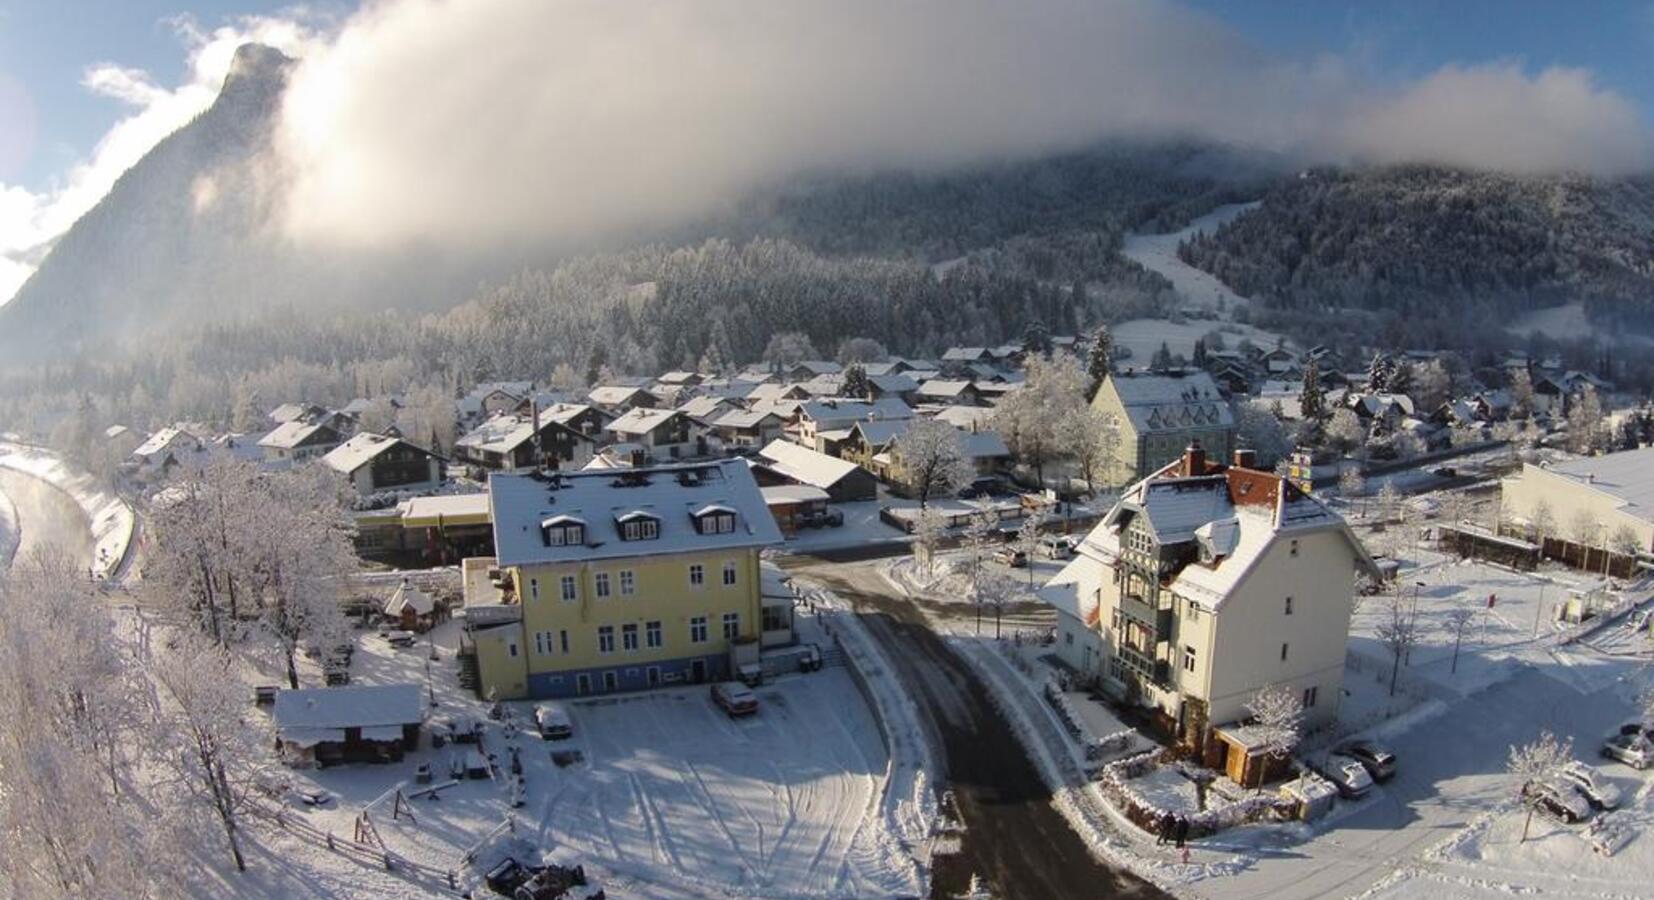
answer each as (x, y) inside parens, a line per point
(1194, 460)
(539, 451)
(1246, 458)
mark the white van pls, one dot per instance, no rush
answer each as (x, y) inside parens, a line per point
(554, 721)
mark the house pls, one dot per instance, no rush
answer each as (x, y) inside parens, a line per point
(288, 412)
(577, 417)
(659, 434)
(792, 505)
(777, 391)
(618, 399)
(325, 726)
(375, 464)
(607, 581)
(805, 369)
(1278, 361)
(511, 443)
(965, 418)
(491, 399)
(1160, 413)
(876, 446)
(964, 355)
(299, 439)
(704, 409)
(894, 386)
(955, 393)
(411, 608)
(122, 440)
(680, 379)
(1382, 410)
(1203, 584)
(784, 462)
(835, 414)
(749, 428)
(164, 449)
(1613, 492)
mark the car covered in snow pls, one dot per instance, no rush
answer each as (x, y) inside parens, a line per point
(1591, 784)
(1348, 775)
(554, 721)
(1055, 546)
(734, 698)
(1557, 800)
(1631, 748)
(1379, 760)
(1015, 557)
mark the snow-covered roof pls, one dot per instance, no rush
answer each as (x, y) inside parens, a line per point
(641, 421)
(746, 418)
(353, 706)
(1170, 401)
(893, 383)
(775, 390)
(703, 406)
(671, 494)
(408, 597)
(964, 418)
(1627, 476)
(288, 412)
(1073, 591)
(818, 366)
(164, 440)
(115, 431)
(614, 394)
(359, 451)
(793, 493)
(471, 403)
(964, 354)
(501, 434)
(563, 413)
(937, 387)
(842, 412)
(804, 465)
(292, 434)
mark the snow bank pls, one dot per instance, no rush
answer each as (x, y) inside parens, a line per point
(10, 537)
(109, 518)
(908, 806)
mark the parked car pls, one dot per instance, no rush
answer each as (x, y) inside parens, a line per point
(824, 518)
(1348, 775)
(1015, 557)
(1632, 749)
(553, 721)
(1591, 784)
(811, 660)
(1055, 547)
(1557, 800)
(734, 698)
(1380, 762)
(400, 638)
(1638, 620)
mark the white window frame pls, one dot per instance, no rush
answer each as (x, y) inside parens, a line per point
(697, 575)
(600, 585)
(628, 637)
(732, 625)
(654, 635)
(628, 583)
(570, 588)
(605, 639)
(730, 573)
(698, 629)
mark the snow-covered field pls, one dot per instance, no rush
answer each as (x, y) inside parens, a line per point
(862, 526)
(109, 517)
(1569, 322)
(671, 798)
(1158, 253)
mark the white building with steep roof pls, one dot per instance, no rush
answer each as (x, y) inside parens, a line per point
(1205, 583)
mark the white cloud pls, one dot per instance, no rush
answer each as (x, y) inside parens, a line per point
(489, 122)
(495, 120)
(30, 221)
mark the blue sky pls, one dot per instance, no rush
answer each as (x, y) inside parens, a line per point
(46, 45)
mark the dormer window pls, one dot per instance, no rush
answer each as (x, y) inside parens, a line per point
(715, 519)
(638, 526)
(563, 531)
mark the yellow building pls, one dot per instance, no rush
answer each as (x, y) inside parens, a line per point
(618, 580)
(1159, 414)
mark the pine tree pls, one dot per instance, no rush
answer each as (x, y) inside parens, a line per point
(1200, 353)
(1311, 405)
(1097, 367)
(856, 383)
(595, 364)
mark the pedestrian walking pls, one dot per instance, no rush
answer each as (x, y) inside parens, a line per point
(1182, 830)
(1167, 823)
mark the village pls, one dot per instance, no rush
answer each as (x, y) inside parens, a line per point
(1258, 620)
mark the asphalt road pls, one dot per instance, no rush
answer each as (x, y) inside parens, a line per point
(46, 517)
(1014, 838)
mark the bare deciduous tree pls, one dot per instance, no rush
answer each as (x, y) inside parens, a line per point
(1398, 632)
(1277, 721)
(1535, 761)
(932, 460)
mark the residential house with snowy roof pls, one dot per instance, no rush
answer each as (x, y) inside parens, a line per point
(377, 464)
(619, 399)
(821, 423)
(164, 449)
(512, 443)
(750, 428)
(619, 580)
(784, 462)
(1160, 413)
(659, 434)
(1204, 584)
(299, 440)
(950, 392)
(491, 399)
(876, 447)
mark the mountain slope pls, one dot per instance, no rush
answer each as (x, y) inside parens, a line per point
(1431, 243)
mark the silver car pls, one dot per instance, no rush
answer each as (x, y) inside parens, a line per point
(1602, 793)
(1633, 749)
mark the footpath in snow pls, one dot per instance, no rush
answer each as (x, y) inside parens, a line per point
(110, 519)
